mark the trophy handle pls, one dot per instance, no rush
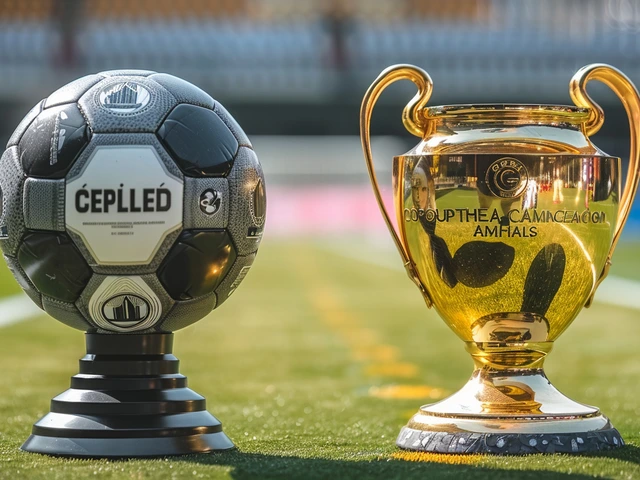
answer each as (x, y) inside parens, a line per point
(413, 121)
(626, 91)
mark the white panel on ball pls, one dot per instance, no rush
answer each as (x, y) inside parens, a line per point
(123, 204)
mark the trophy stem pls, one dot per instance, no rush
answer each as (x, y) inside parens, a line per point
(509, 409)
(506, 357)
(129, 400)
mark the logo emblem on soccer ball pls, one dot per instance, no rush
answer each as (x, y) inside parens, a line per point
(125, 97)
(258, 204)
(133, 202)
(210, 201)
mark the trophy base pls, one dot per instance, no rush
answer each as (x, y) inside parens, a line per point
(508, 412)
(128, 401)
(507, 443)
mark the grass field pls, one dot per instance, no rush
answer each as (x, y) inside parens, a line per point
(314, 365)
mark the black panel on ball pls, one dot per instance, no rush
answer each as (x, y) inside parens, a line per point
(199, 141)
(54, 265)
(53, 141)
(197, 263)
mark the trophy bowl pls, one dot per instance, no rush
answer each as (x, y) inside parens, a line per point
(507, 219)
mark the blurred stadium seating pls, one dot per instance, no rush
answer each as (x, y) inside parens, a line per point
(308, 50)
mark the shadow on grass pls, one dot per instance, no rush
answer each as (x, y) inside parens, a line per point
(628, 453)
(251, 465)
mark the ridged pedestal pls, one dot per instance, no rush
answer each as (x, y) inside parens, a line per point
(128, 401)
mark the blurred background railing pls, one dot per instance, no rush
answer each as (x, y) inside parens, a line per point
(300, 67)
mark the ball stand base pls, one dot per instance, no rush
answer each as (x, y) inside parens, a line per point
(508, 413)
(128, 401)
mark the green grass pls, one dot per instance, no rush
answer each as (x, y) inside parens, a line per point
(8, 285)
(288, 364)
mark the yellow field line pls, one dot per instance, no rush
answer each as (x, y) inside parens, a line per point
(449, 458)
(365, 346)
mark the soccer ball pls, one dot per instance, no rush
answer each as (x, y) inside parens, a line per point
(131, 202)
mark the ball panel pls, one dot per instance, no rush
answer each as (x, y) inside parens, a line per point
(11, 185)
(72, 92)
(23, 280)
(66, 313)
(54, 265)
(166, 301)
(197, 263)
(44, 204)
(24, 124)
(198, 141)
(124, 139)
(82, 304)
(161, 253)
(233, 279)
(84, 251)
(233, 125)
(126, 304)
(247, 200)
(135, 139)
(53, 141)
(124, 204)
(183, 91)
(126, 104)
(206, 203)
(130, 72)
(185, 313)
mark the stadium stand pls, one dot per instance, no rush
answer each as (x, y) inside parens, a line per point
(308, 49)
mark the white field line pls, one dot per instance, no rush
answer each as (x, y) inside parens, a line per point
(17, 308)
(618, 291)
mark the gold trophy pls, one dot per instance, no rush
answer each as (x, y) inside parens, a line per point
(507, 219)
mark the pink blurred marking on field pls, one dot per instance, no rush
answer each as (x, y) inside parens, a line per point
(325, 210)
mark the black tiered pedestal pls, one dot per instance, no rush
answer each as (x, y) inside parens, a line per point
(128, 401)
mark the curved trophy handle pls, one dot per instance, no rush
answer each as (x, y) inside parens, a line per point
(626, 91)
(414, 122)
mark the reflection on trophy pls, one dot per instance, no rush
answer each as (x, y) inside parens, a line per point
(508, 216)
(557, 191)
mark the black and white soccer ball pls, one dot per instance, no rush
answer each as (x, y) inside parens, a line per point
(131, 202)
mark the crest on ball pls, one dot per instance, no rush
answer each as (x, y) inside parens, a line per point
(124, 304)
(125, 97)
(125, 310)
(258, 204)
(210, 201)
